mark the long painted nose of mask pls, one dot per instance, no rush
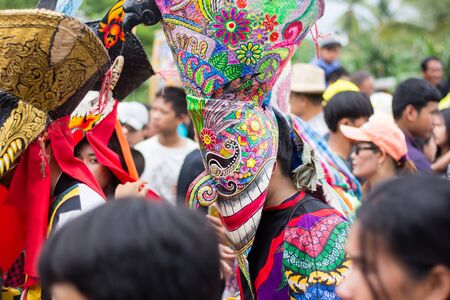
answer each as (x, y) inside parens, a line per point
(239, 145)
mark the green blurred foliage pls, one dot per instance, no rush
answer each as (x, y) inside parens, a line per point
(15, 4)
(305, 52)
(393, 42)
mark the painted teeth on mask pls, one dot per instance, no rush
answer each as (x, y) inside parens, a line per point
(245, 233)
(19, 144)
(11, 153)
(232, 205)
(7, 161)
(16, 146)
(9, 156)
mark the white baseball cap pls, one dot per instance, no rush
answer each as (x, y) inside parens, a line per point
(134, 114)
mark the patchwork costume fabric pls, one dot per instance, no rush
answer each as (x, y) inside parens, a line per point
(48, 63)
(298, 252)
(229, 55)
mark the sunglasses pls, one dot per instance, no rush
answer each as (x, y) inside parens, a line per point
(359, 148)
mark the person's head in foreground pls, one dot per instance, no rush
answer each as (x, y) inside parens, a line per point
(380, 152)
(133, 250)
(413, 104)
(399, 243)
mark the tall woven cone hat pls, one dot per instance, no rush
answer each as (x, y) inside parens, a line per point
(229, 54)
(48, 62)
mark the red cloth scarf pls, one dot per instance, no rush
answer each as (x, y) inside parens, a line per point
(26, 208)
(98, 138)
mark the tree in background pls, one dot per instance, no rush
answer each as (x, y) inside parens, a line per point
(393, 42)
(16, 4)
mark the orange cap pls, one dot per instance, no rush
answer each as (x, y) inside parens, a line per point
(383, 133)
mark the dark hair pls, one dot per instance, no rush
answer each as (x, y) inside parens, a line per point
(415, 92)
(446, 115)
(336, 74)
(359, 77)
(285, 147)
(349, 104)
(410, 216)
(139, 160)
(331, 45)
(426, 60)
(135, 249)
(175, 96)
(192, 167)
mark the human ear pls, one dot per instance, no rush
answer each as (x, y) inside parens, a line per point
(411, 113)
(346, 121)
(438, 283)
(382, 156)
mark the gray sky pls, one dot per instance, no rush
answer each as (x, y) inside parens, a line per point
(334, 9)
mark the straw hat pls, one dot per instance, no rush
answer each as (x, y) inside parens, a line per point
(307, 78)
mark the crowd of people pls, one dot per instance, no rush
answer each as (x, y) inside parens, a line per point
(303, 182)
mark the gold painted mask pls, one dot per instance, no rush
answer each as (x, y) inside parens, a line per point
(48, 62)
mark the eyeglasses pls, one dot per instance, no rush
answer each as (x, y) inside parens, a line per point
(359, 148)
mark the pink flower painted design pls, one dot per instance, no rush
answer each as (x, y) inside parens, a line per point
(250, 164)
(231, 26)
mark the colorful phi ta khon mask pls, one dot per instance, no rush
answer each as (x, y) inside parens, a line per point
(229, 54)
(239, 143)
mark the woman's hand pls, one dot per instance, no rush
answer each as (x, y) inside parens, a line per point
(227, 257)
(218, 228)
(131, 189)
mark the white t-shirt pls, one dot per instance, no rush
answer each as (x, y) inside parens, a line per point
(162, 165)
